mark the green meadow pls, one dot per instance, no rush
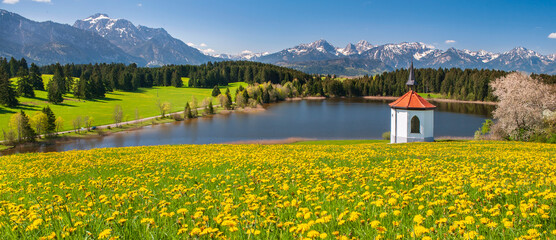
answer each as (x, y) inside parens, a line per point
(418, 191)
(144, 100)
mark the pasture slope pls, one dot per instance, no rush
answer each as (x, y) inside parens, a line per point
(144, 100)
(443, 190)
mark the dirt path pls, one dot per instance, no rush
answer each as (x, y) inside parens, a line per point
(113, 125)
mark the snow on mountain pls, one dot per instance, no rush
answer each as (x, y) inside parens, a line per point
(350, 49)
(362, 46)
(50, 42)
(354, 49)
(99, 38)
(97, 17)
(155, 45)
(402, 54)
(321, 45)
(315, 51)
(245, 55)
(419, 55)
(523, 59)
(482, 55)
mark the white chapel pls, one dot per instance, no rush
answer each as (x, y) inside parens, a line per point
(412, 117)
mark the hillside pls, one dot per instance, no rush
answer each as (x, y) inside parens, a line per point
(144, 100)
(50, 42)
(156, 46)
(453, 190)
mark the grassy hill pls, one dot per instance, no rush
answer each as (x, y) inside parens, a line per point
(449, 190)
(144, 100)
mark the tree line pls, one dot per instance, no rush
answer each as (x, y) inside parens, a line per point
(456, 83)
(24, 128)
(88, 81)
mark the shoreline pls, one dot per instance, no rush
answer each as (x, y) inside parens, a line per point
(432, 99)
(134, 125)
(123, 127)
(392, 98)
(304, 98)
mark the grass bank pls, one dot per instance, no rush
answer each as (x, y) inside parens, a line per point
(143, 100)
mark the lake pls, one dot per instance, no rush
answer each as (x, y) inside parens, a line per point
(345, 118)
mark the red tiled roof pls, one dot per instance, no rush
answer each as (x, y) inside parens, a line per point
(411, 100)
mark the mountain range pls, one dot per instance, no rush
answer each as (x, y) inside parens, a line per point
(100, 38)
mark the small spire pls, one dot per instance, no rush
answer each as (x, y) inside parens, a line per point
(411, 81)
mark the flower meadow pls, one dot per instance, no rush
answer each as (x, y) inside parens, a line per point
(446, 190)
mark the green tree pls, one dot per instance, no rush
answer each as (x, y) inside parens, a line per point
(216, 91)
(20, 123)
(35, 77)
(229, 96)
(96, 84)
(83, 88)
(210, 108)
(24, 86)
(51, 126)
(59, 124)
(176, 79)
(89, 121)
(7, 92)
(56, 88)
(39, 122)
(187, 113)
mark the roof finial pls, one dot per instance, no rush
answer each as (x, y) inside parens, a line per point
(411, 81)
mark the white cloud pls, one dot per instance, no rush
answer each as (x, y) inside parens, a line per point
(552, 35)
(43, 1)
(191, 44)
(450, 41)
(139, 5)
(207, 51)
(246, 52)
(10, 1)
(202, 45)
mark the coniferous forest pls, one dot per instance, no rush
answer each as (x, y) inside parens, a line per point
(94, 81)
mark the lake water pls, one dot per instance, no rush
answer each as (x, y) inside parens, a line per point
(350, 118)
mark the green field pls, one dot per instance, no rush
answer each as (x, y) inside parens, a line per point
(431, 95)
(424, 191)
(144, 100)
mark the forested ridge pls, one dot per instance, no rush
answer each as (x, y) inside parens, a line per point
(88, 81)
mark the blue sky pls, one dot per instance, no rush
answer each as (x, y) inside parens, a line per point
(261, 25)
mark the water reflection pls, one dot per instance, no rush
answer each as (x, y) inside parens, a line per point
(350, 118)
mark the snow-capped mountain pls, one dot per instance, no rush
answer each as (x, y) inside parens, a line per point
(362, 46)
(120, 32)
(349, 50)
(154, 45)
(402, 54)
(523, 59)
(245, 55)
(99, 39)
(482, 55)
(50, 42)
(315, 51)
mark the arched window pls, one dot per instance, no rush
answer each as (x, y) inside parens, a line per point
(415, 125)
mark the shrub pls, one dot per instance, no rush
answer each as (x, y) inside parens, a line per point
(386, 136)
(177, 117)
